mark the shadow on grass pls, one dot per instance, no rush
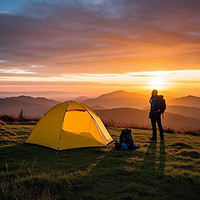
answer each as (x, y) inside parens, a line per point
(149, 163)
(150, 157)
(162, 158)
(167, 185)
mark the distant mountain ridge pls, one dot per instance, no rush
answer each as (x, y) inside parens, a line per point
(188, 106)
(136, 117)
(81, 98)
(30, 105)
(190, 101)
(118, 99)
(119, 106)
(34, 100)
(122, 98)
(96, 107)
(186, 111)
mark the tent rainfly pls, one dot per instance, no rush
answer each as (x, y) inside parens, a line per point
(70, 125)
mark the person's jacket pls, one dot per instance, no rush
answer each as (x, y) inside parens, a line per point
(153, 102)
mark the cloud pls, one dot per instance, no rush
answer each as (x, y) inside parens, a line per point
(3, 61)
(37, 66)
(101, 36)
(15, 71)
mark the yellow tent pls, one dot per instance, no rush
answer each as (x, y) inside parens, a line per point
(70, 125)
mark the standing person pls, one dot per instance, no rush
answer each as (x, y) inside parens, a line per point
(158, 107)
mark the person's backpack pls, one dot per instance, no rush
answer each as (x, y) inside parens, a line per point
(127, 139)
(161, 104)
(125, 136)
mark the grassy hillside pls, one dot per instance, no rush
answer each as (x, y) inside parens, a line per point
(169, 170)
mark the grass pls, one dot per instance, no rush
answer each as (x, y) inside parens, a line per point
(169, 170)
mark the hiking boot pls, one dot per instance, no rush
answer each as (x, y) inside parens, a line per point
(152, 139)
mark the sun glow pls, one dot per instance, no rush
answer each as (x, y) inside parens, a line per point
(157, 83)
(12, 79)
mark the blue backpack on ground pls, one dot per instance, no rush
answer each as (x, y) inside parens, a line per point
(126, 141)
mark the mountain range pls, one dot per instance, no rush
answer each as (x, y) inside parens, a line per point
(34, 107)
(190, 101)
(119, 106)
(119, 99)
(139, 118)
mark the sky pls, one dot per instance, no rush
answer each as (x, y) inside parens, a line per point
(70, 48)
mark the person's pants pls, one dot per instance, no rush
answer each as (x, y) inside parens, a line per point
(154, 119)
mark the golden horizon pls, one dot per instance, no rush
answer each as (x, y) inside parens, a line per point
(179, 82)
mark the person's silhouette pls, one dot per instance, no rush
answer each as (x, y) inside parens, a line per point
(155, 116)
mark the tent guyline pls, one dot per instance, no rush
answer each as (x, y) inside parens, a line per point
(70, 125)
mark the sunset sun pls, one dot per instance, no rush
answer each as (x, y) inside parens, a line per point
(157, 83)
